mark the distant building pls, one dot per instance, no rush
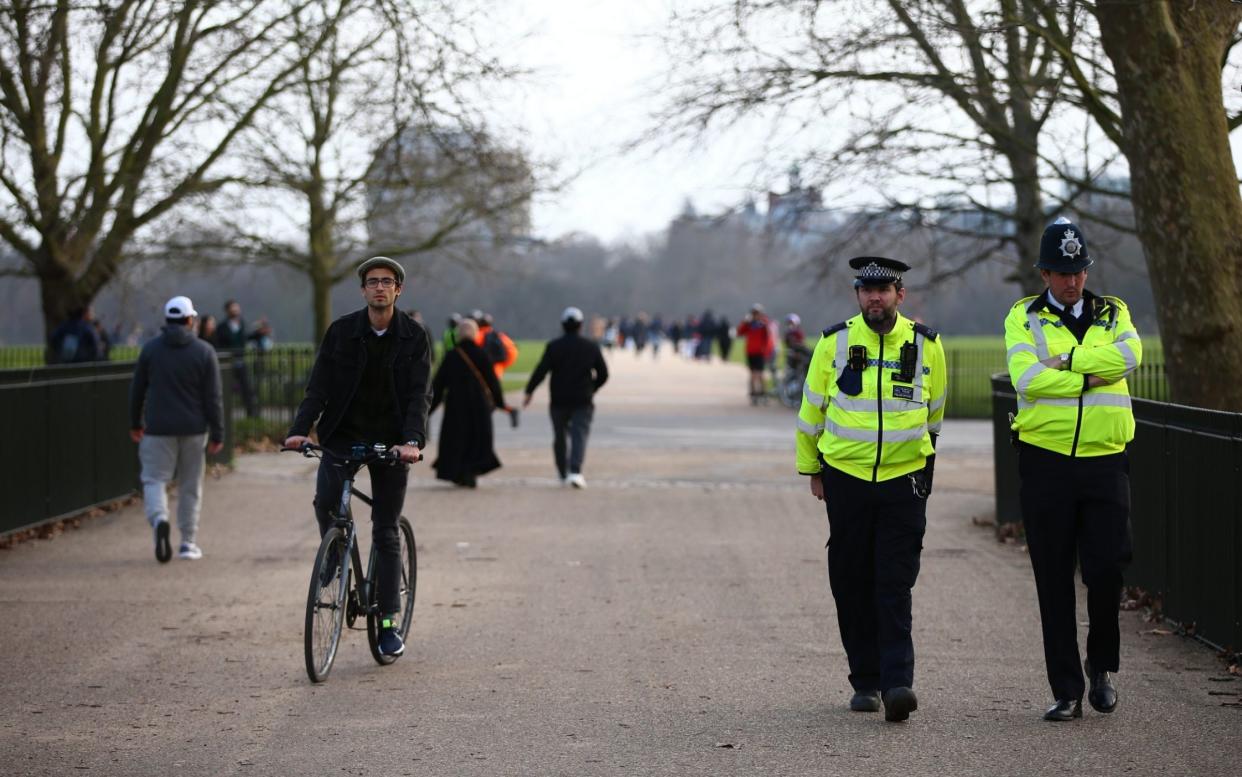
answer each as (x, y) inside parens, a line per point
(430, 187)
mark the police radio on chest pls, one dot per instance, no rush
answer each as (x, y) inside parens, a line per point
(858, 358)
(909, 359)
(850, 379)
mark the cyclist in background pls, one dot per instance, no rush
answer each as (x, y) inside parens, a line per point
(370, 384)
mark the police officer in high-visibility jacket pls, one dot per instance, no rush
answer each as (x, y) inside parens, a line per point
(871, 412)
(1069, 352)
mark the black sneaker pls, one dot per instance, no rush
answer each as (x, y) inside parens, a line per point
(163, 548)
(390, 643)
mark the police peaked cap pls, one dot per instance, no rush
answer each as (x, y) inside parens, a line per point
(1063, 248)
(877, 270)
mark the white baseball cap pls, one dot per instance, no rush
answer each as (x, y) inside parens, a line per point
(571, 314)
(179, 307)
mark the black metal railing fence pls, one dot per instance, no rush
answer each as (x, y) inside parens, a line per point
(1186, 508)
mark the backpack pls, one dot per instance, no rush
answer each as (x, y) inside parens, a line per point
(494, 347)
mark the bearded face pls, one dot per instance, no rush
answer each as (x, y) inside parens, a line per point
(878, 304)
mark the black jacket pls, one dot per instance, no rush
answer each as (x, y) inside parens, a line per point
(577, 367)
(338, 370)
(176, 387)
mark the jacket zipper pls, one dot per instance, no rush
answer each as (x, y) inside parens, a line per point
(879, 412)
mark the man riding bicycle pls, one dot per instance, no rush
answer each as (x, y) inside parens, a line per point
(371, 385)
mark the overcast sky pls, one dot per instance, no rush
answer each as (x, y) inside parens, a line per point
(597, 72)
(591, 95)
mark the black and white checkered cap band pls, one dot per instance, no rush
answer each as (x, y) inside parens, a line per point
(874, 271)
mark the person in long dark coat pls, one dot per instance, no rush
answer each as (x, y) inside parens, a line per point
(469, 397)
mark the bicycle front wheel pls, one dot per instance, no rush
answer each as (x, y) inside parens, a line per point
(325, 604)
(408, 584)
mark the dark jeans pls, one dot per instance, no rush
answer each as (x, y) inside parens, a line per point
(873, 560)
(576, 421)
(388, 483)
(245, 384)
(1076, 509)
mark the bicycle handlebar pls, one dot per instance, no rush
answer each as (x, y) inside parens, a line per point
(309, 449)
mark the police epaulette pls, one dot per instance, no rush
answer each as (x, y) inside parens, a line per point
(926, 331)
(832, 330)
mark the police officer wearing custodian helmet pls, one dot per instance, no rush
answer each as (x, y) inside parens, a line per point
(1069, 352)
(871, 411)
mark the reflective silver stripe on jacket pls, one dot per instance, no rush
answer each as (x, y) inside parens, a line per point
(1128, 353)
(1020, 348)
(843, 350)
(808, 429)
(1037, 332)
(1088, 400)
(1024, 381)
(935, 405)
(863, 405)
(872, 435)
(812, 397)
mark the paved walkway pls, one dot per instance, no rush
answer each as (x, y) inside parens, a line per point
(672, 619)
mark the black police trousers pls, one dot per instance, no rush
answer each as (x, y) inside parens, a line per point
(1076, 508)
(876, 536)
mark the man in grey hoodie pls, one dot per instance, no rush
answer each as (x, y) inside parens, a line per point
(177, 382)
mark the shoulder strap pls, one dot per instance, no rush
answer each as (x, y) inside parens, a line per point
(832, 330)
(926, 331)
(470, 363)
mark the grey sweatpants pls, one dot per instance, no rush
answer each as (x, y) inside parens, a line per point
(162, 458)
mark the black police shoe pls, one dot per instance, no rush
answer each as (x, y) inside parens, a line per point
(1103, 696)
(865, 701)
(1063, 710)
(899, 703)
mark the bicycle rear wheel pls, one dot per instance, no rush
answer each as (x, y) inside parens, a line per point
(408, 585)
(325, 604)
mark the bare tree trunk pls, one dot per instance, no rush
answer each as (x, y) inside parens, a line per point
(1167, 57)
(1028, 220)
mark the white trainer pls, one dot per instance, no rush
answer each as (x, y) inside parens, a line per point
(190, 551)
(576, 480)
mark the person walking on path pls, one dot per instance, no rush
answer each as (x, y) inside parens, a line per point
(77, 340)
(754, 327)
(467, 387)
(578, 371)
(231, 338)
(175, 411)
(866, 435)
(369, 386)
(1069, 352)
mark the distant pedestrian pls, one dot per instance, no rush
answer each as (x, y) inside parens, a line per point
(866, 435)
(175, 412)
(207, 329)
(76, 341)
(578, 371)
(231, 339)
(706, 332)
(468, 388)
(758, 336)
(501, 351)
(724, 339)
(1070, 352)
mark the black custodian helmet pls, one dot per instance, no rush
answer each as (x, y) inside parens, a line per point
(1063, 248)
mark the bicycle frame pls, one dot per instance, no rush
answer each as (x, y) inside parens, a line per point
(345, 522)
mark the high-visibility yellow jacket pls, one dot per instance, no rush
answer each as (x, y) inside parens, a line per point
(1056, 410)
(884, 430)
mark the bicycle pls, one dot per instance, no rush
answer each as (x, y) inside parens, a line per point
(331, 602)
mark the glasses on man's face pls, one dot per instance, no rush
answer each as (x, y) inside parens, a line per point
(375, 283)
